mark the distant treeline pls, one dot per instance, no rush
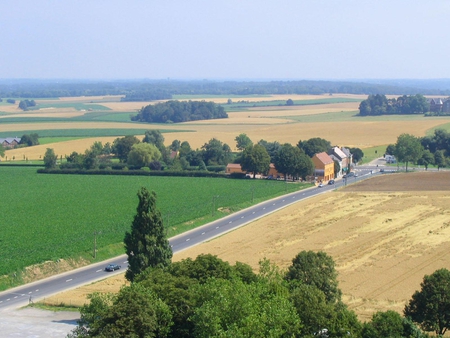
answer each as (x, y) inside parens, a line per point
(180, 111)
(380, 105)
(145, 90)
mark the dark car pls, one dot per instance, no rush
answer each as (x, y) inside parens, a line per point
(112, 267)
(330, 182)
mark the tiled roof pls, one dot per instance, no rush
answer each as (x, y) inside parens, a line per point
(324, 158)
(234, 165)
(10, 139)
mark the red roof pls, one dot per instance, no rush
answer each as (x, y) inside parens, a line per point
(324, 158)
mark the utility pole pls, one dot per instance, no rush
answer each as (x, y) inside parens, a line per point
(214, 204)
(95, 244)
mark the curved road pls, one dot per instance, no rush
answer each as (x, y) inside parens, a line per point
(22, 295)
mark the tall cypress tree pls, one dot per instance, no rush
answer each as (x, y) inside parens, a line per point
(146, 245)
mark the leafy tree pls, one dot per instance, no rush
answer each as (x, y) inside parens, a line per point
(384, 324)
(243, 141)
(90, 160)
(147, 244)
(107, 149)
(439, 159)
(215, 153)
(426, 159)
(430, 307)
(408, 149)
(122, 146)
(316, 269)
(292, 161)
(2, 151)
(30, 139)
(357, 154)
(289, 102)
(255, 159)
(390, 149)
(185, 149)
(231, 308)
(175, 145)
(156, 138)
(142, 154)
(50, 159)
(96, 148)
(314, 145)
(272, 148)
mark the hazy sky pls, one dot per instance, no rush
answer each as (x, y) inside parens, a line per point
(229, 39)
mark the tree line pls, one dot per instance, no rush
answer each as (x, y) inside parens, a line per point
(379, 104)
(208, 297)
(180, 111)
(144, 90)
(428, 150)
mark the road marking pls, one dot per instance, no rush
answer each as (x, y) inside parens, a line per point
(264, 208)
(203, 233)
(37, 290)
(242, 217)
(16, 297)
(68, 280)
(188, 239)
(99, 270)
(283, 200)
(273, 204)
(8, 299)
(217, 227)
(253, 212)
(1, 301)
(293, 196)
(125, 262)
(30, 292)
(230, 222)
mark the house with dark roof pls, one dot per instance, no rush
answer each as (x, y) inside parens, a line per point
(324, 166)
(10, 142)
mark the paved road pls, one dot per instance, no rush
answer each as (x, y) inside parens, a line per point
(22, 295)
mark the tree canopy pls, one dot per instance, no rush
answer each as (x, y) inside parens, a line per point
(147, 244)
(122, 146)
(142, 154)
(430, 307)
(314, 145)
(408, 149)
(378, 104)
(30, 139)
(242, 141)
(180, 111)
(50, 158)
(255, 159)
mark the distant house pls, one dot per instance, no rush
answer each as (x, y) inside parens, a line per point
(234, 168)
(446, 106)
(9, 142)
(342, 158)
(273, 171)
(436, 105)
(390, 159)
(324, 166)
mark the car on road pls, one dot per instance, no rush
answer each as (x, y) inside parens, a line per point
(330, 182)
(112, 267)
(320, 185)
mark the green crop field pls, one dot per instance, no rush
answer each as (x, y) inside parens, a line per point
(47, 217)
(75, 105)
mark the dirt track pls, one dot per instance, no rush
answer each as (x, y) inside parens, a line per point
(383, 242)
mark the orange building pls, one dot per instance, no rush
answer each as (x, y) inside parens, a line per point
(324, 166)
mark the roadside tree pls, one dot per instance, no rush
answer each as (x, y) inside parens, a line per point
(408, 149)
(439, 159)
(357, 154)
(390, 149)
(426, 159)
(255, 159)
(314, 145)
(147, 244)
(430, 307)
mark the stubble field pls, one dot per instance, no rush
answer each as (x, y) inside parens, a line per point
(384, 234)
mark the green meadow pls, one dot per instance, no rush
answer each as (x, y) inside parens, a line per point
(47, 217)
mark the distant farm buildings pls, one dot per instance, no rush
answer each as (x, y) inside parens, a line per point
(438, 105)
(9, 142)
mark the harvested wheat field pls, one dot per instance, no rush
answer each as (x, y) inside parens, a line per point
(384, 234)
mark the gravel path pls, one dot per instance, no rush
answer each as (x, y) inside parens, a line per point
(36, 323)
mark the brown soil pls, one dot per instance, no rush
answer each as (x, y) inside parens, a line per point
(384, 234)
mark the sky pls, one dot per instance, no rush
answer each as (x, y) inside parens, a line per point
(220, 40)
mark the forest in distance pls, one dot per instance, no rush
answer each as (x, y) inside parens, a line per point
(147, 90)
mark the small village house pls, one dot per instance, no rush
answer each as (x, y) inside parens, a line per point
(324, 167)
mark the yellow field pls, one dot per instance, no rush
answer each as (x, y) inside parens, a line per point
(268, 123)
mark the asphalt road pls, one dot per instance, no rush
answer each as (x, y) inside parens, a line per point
(32, 292)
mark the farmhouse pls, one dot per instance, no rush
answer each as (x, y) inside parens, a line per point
(341, 157)
(234, 168)
(9, 142)
(324, 166)
(438, 105)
